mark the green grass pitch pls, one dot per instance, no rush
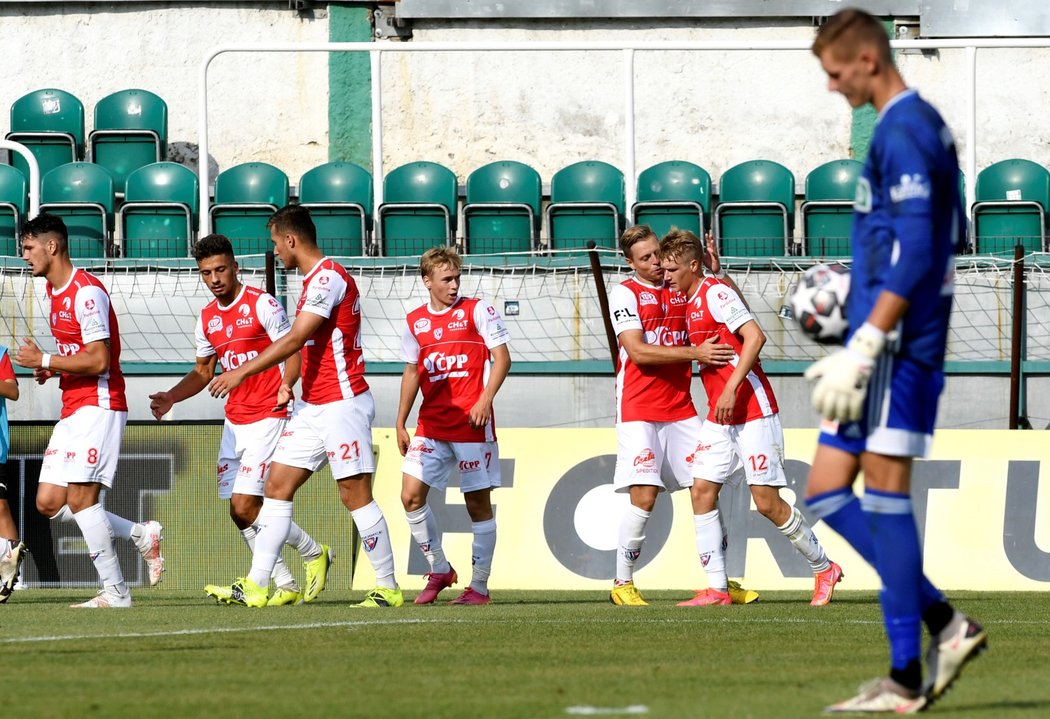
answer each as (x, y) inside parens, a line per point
(530, 654)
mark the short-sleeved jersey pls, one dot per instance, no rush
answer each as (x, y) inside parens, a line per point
(451, 350)
(81, 313)
(238, 333)
(7, 373)
(717, 310)
(908, 224)
(651, 393)
(333, 363)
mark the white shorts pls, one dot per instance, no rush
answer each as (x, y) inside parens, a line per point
(84, 448)
(338, 433)
(757, 446)
(655, 453)
(431, 462)
(244, 456)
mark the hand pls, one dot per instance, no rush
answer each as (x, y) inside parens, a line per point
(842, 377)
(480, 413)
(160, 404)
(711, 260)
(28, 355)
(403, 440)
(725, 405)
(42, 375)
(713, 353)
(285, 394)
(226, 383)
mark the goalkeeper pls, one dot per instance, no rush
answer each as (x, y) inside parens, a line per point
(907, 226)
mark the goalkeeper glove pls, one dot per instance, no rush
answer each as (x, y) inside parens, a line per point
(842, 377)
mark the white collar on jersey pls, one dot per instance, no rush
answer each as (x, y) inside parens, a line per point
(59, 290)
(430, 307)
(236, 299)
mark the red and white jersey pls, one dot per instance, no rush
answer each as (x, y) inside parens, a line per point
(716, 309)
(333, 364)
(451, 350)
(81, 313)
(238, 333)
(651, 393)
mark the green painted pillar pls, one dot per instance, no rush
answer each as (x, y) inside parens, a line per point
(349, 87)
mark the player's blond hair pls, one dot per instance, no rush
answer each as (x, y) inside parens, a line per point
(437, 257)
(681, 246)
(634, 235)
(847, 31)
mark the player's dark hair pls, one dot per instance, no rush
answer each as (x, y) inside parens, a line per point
(849, 30)
(47, 224)
(212, 245)
(296, 220)
(634, 235)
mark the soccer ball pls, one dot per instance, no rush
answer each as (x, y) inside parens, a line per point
(819, 303)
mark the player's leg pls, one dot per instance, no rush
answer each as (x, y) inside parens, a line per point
(479, 473)
(714, 460)
(83, 498)
(427, 463)
(11, 549)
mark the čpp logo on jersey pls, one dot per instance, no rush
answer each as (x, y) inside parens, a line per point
(442, 366)
(232, 360)
(67, 349)
(664, 336)
(911, 187)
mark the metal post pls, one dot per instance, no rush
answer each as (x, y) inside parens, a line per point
(629, 174)
(1016, 339)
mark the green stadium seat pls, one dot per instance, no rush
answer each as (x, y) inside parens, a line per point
(131, 131)
(13, 202)
(673, 194)
(827, 213)
(159, 213)
(340, 197)
(502, 211)
(419, 209)
(587, 204)
(245, 198)
(1012, 200)
(81, 193)
(50, 123)
(755, 214)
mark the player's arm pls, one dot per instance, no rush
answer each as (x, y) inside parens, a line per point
(306, 323)
(409, 390)
(191, 383)
(482, 409)
(709, 352)
(292, 367)
(92, 360)
(752, 338)
(9, 389)
(8, 381)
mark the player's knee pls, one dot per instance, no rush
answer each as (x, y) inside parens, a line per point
(47, 506)
(411, 500)
(244, 510)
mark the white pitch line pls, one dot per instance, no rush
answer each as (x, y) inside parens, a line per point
(607, 711)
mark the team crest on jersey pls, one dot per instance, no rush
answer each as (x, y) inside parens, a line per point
(438, 332)
(54, 317)
(229, 331)
(422, 326)
(214, 325)
(370, 542)
(631, 555)
(862, 197)
(648, 298)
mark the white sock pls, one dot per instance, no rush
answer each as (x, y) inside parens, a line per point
(482, 549)
(302, 543)
(709, 547)
(375, 537)
(632, 535)
(63, 515)
(423, 525)
(271, 527)
(805, 541)
(6, 545)
(124, 528)
(98, 535)
(282, 577)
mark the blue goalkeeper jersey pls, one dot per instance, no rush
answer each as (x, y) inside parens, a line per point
(908, 223)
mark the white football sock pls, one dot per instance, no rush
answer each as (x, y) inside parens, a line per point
(371, 525)
(302, 543)
(6, 545)
(282, 576)
(423, 525)
(482, 549)
(63, 515)
(124, 528)
(805, 541)
(98, 535)
(709, 547)
(271, 526)
(632, 535)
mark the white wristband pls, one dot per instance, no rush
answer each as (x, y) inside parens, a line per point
(45, 361)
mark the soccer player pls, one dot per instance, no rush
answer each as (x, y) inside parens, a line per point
(333, 424)
(742, 428)
(908, 222)
(81, 457)
(237, 325)
(455, 351)
(656, 421)
(12, 551)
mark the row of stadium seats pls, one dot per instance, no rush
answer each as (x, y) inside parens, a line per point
(130, 131)
(754, 217)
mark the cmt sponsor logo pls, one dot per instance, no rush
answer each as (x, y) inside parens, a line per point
(232, 360)
(645, 458)
(696, 315)
(469, 465)
(214, 325)
(910, 187)
(65, 315)
(677, 298)
(457, 325)
(245, 321)
(647, 298)
(421, 326)
(442, 366)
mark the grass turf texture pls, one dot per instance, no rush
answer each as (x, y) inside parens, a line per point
(531, 654)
